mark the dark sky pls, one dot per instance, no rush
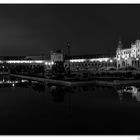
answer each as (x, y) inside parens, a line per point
(91, 29)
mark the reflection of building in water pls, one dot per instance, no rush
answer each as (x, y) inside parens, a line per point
(12, 82)
(131, 89)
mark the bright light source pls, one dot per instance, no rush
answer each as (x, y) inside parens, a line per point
(38, 61)
(13, 85)
(111, 61)
(49, 63)
(137, 58)
(77, 60)
(23, 81)
(99, 59)
(25, 61)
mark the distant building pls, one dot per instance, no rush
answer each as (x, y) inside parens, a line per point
(89, 62)
(57, 56)
(128, 57)
(38, 57)
(4, 58)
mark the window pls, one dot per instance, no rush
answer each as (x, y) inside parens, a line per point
(123, 63)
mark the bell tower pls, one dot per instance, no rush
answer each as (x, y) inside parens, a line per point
(120, 45)
(119, 48)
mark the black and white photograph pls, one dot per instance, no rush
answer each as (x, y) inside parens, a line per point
(69, 69)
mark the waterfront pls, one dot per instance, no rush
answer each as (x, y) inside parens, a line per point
(27, 108)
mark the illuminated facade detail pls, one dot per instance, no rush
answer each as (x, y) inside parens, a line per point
(99, 59)
(48, 65)
(89, 64)
(128, 57)
(25, 61)
(77, 60)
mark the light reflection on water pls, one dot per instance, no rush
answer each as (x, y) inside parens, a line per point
(129, 91)
(104, 93)
(32, 106)
(11, 81)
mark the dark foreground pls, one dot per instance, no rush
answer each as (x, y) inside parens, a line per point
(27, 109)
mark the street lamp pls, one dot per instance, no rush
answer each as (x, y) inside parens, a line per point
(137, 60)
(125, 63)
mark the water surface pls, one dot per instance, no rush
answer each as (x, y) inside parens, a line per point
(29, 107)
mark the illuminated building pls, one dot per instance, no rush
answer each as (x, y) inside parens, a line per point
(128, 57)
(89, 62)
(124, 57)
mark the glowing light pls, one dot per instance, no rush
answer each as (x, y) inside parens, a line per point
(49, 63)
(99, 59)
(13, 85)
(38, 61)
(93, 60)
(125, 58)
(77, 60)
(137, 58)
(25, 61)
(9, 81)
(23, 81)
(111, 61)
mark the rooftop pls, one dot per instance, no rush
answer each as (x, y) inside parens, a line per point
(90, 56)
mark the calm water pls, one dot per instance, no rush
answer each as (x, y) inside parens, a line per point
(32, 108)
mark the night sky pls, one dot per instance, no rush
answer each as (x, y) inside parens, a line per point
(91, 29)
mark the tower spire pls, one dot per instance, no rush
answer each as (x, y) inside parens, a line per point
(120, 44)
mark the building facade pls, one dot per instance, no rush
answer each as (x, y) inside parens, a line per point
(89, 63)
(129, 56)
(57, 56)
